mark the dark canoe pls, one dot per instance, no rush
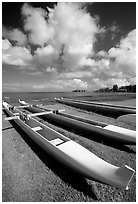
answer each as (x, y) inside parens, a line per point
(112, 111)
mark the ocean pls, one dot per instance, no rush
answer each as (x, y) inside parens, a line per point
(40, 96)
(47, 98)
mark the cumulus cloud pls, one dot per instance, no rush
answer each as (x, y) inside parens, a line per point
(14, 35)
(6, 44)
(15, 55)
(99, 83)
(118, 65)
(51, 69)
(35, 24)
(61, 46)
(71, 21)
(111, 31)
(48, 50)
(124, 55)
(71, 84)
(102, 54)
(69, 33)
(76, 74)
(60, 85)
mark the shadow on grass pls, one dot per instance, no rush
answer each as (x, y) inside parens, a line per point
(7, 128)
(92, 136)
(112, 143)
(66, 174)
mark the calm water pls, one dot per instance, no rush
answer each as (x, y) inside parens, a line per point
(49, 97)
(40, 96)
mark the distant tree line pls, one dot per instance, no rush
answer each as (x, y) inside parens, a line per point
(130, 88)
(78, 90)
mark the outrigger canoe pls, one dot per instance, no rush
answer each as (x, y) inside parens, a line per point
(111, 132)
(69, 152)
(102, 104)
(112, 111)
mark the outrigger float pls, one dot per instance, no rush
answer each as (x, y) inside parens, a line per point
(103, 130)
(105, 109)
(69, 152)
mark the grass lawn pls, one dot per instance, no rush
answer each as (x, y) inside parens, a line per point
(32, 175)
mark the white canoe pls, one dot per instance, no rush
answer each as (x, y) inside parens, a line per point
(72, 154)
(111, 132)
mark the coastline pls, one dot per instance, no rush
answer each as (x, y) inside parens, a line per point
(12, 97)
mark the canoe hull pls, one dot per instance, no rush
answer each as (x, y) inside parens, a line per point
(111, 132)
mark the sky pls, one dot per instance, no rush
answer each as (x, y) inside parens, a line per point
(49, 46)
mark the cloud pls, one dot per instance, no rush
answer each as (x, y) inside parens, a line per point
(6, 44)
(114, 28)
(35, 24)
(60, 85)
(61, 48)
(102, 54)
(51, 69)
(14, 55)
(44, 57)
(48, 50)
(35, 73)
(111, 31)
(99, 83)
(75, 74)
(80, 83)
(70, 84)
(124, 55)
(63, 33)
(117, 66)
(15, 86)
(71, 20)
(14, 35)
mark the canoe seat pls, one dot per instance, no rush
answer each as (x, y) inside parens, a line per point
(57, 141)
(16, 113)
(37, 128)
(98, 126)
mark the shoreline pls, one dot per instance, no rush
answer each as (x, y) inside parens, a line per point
(45, 97)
